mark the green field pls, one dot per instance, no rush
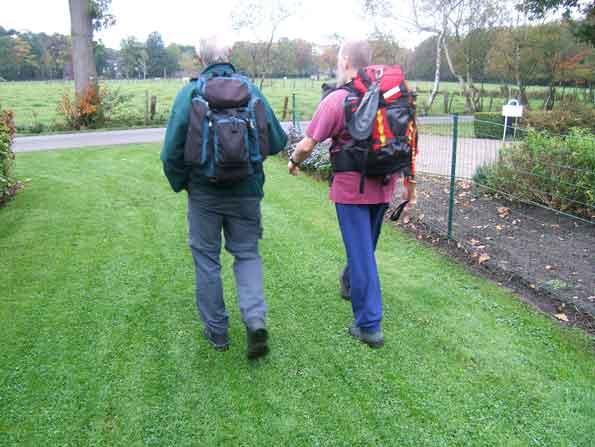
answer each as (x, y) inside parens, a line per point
(36, 103)
(102, 347)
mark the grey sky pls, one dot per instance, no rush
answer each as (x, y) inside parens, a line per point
(186, 21)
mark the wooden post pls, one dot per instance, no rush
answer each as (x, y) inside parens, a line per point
(153, 107)
(146, 107)
(446, 103)
(285, 106)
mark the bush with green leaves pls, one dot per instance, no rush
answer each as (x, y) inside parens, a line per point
(556, 171)
(7, 181)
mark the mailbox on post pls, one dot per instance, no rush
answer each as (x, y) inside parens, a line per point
(511, 110)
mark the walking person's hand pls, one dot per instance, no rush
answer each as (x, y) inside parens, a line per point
(302, 150)
(293, 168)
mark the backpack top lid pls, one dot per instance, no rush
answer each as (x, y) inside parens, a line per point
(390, 78)
(222, 87)
(225, 93)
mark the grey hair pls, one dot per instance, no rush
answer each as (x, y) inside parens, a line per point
(357, 52)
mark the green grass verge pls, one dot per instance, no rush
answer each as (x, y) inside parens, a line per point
(101, 344)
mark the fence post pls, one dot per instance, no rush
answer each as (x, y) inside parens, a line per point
(285, 107)
(146, 107)
(453, 172)
(293, 113)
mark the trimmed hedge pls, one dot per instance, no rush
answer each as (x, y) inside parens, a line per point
(490, 125)
(561, 120)
(555, 171)
(7, 181)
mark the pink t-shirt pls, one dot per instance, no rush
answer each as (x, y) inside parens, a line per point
(329, 122)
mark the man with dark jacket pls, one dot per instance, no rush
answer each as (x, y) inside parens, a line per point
(232, 209)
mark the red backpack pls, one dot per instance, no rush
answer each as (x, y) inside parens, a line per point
(380, 116)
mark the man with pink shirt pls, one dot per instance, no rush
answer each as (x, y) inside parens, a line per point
(360, 206)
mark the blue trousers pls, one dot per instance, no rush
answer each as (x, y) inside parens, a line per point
(360, 227)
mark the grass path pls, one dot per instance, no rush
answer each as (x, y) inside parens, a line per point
(101, 345)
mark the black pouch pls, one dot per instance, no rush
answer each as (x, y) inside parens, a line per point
(231, 148)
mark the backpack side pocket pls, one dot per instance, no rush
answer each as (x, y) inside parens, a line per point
(197, 138)
(260, 128)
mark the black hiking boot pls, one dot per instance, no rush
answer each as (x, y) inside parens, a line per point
(219, 341)
(257, 343)
(373, 340)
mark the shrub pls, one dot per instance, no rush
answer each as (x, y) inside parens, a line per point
(100, 107)
(8, 184)
(562, 119)
(491, 125)
(555, 171)
(85, 110)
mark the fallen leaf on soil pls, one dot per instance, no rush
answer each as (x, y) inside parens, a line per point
(504, 212)
(499, 227)
(561, 317)
(532, 286)
(474, 242)
(483, 258)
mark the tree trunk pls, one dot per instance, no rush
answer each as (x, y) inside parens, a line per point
(83, 59)
(551, 98)
(462, 84)
(436, 85)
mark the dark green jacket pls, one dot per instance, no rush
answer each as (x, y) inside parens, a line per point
(180, 175)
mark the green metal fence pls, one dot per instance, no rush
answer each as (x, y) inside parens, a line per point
(514, 208)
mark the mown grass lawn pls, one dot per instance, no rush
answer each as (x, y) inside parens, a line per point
(36, 103)
(101, 344)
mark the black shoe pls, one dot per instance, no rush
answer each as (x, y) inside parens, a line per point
(345, 290)
(257, 345)
(374, 340)
(219, 341)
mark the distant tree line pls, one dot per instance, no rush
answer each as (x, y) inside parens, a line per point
(549, 54)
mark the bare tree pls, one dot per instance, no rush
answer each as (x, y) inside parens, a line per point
(263, 19)
(427, 18)
(449, 21)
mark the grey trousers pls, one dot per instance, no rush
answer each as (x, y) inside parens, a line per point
(240, 220)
